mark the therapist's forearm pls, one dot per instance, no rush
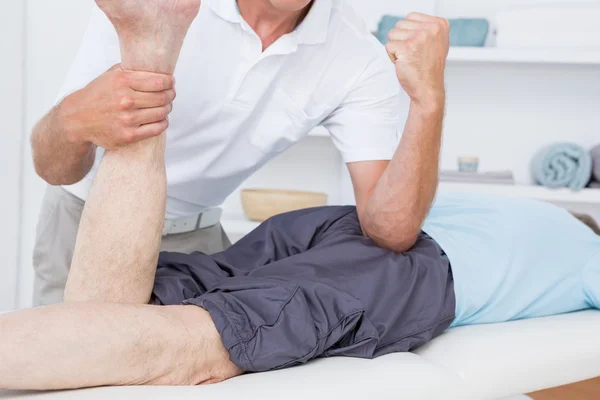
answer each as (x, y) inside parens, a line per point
(57, 159)
(403, 195)
(402, 198)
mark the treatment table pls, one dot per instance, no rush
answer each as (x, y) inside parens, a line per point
(475, 362)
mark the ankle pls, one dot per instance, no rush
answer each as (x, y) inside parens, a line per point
(152, 57)
(187, 10)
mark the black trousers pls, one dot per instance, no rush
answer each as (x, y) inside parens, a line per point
(309, 284)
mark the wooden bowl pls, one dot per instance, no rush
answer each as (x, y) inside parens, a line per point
(260, 205)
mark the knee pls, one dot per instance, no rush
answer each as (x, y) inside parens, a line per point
(72, 295)
(75, 293)
(194, 351)
(78, 291)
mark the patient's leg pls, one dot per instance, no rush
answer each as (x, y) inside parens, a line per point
(79, 345)
(84, 344)
(120, 232)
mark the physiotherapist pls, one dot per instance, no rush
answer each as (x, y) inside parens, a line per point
(254, 78)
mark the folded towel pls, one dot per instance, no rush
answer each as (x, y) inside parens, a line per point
(562, 165)
(487, 175)
(479, 181)
(566, 18)
(553, 40)
(595, 153)
(558, 26)
(492, 178)
(470, 32)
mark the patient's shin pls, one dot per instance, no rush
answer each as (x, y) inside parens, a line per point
(119, 236)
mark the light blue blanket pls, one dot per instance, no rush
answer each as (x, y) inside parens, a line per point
(562, 165)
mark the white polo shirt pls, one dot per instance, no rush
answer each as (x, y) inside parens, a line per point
(237, 107)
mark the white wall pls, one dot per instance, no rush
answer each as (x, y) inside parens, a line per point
(372, 10)
(313, 165)
(54, 31)
(11, 109)
(505, 113)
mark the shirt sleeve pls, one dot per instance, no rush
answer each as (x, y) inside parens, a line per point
(98, 52)
(367, 124)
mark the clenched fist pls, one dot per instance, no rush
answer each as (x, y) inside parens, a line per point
(119, 108)
(419, 46)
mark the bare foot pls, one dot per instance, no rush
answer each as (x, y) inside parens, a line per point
(151, 32)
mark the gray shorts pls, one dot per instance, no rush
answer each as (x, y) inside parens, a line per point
(309, 284)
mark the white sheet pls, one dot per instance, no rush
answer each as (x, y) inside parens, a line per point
(477, 362)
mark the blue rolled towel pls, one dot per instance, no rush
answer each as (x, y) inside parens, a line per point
(562, 165)
(470, 32)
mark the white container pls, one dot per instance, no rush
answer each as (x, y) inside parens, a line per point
(548, 40)
(558, 26)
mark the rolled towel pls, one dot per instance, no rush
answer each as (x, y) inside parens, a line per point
(596, 163)
(562, 165)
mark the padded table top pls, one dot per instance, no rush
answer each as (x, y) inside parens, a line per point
(476, 362)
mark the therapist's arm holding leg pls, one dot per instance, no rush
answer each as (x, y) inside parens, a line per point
(394, 198)
(117, 109)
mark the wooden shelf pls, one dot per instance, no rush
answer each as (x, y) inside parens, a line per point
(525, 56)
(586, 196)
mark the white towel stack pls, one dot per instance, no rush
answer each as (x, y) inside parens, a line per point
(491, 178)
(569, 26)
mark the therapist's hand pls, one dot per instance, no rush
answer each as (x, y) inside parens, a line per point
(118, 108)
(419, 46)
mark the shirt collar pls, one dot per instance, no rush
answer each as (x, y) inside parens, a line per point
(313, 30)
(226, 9)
